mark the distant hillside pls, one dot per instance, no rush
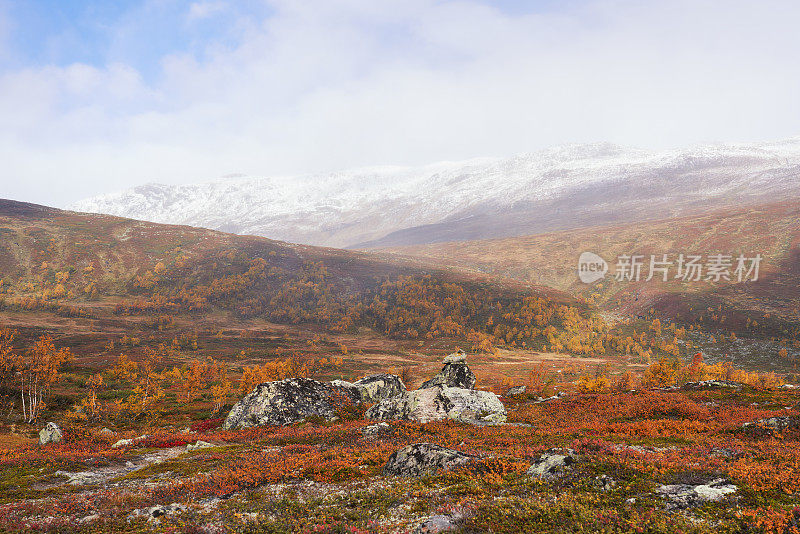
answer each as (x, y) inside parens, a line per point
(110, 252)
(557, 189)
(551, 259)
(74, 263)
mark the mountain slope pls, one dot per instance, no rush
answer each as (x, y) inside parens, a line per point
(77, 264)
(555, 189)
(551, 259)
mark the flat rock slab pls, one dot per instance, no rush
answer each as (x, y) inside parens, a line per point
(687, 495)
(104, 475)
(436, 524)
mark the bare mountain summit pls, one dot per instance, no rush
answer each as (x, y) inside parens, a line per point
(560, 188)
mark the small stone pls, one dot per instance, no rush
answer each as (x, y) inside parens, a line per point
(455, 374)
(199, 445)
(81, 478)
(604, 483)
(128, 442)
(51, 433)
(435, 524)
(372, 431)
(424, 458)
(724, 453)
(89, 519)
(516, 390)
(209, 504)
(456, 357)
(155, 512)
(552, 463)
(711, 384)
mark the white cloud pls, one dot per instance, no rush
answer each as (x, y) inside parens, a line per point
(203, 10)
(324, 84)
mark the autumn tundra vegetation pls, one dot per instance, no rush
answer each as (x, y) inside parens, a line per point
(171, 379)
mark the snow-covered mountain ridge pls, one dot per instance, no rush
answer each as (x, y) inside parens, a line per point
(558, 188)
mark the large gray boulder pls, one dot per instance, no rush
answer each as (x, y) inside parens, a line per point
(288, 401)
(51, 433)
(455, 374)
(390, 409)
(376, 387)
(424, 458)
(442, 402)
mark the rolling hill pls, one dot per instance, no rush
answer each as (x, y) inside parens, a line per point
(551, 259)
(772, 303)
(104, 267)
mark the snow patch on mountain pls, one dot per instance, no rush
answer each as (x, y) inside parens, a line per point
(350, 207)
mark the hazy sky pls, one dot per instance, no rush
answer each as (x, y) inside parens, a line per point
(97, 96)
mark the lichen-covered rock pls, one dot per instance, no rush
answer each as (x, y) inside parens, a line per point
(423, 458)
(373, 431)
(88, 519)
(128, 442)
(436, 524)
(155, 512)
(474, 406)
(426, 405)
(455, 374)
(711, 384)
(771, 425)
(378, 387)
(81, 478)
(50, 434)
(516, 390)
(604, 483)
(435, 404)
(191, 447)
(289, 401)
(552, 463)
(686, 495)
(389, 409)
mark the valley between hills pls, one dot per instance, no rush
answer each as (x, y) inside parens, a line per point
(200, 381)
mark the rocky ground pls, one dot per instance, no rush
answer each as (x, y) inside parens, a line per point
(369, 456)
